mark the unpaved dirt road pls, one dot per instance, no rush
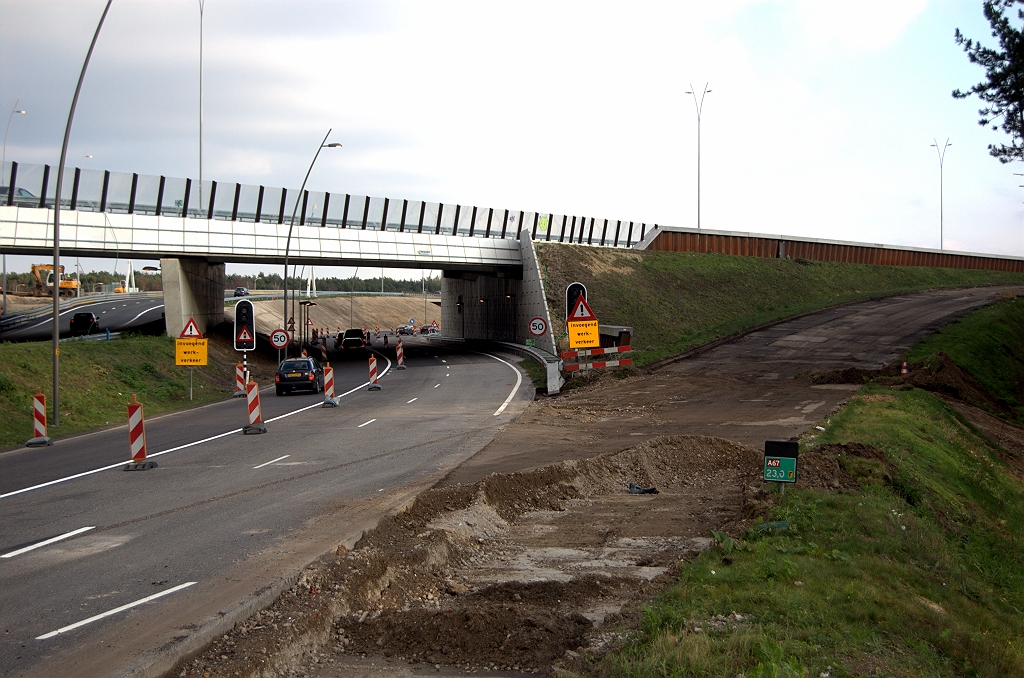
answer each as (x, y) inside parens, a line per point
(532, 551)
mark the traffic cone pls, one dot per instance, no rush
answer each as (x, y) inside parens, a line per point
(252, 400)
(374, 386)
(904, 371)
(39, 437)
(239, 381)
(137, 438)
(400, 354)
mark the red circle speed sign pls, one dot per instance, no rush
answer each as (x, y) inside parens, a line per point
(538, 327)
(279, 338)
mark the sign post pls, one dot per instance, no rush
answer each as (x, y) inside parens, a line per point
(279, 339)
(780, 462)
(245, 332)
(583, 326)
(191, 349)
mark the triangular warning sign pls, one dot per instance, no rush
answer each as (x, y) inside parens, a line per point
(309, 322)
(243, 335)
(581, 311)
(191, 330)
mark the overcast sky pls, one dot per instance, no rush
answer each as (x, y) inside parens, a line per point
(820, 122)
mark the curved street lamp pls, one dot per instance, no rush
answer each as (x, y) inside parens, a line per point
(9, 118)
(291, 225)
(700, 108)
(56, 220)
(942, 158)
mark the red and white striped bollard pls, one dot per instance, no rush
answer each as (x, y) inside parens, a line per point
(903, 370)
(374, 386)
(137, 438)
(239, 381)
(39, 437)
(329, 400)
(252, 401)
(400, 354)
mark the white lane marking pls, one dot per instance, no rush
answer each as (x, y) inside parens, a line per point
(271, 462)
(519, 380)
(108, 613)
(48, 542)
(412, 401)
(366, 423)
(447, 375)
(153, 308)
(186, 445)
(436, 385)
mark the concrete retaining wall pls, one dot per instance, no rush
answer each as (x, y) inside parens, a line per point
(192, 288)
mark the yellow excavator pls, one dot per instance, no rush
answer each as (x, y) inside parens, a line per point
(43, 274)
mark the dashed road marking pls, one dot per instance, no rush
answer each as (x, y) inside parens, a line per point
(271, 461)
(412, 401)
(47, 542)
(108, 613)
(365, 423)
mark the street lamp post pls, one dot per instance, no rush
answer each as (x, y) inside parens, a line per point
(700, 108)
(14, 111)
(942, 158)
(291, 225)
(56, 221)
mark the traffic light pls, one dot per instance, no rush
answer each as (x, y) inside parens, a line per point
(245, 326)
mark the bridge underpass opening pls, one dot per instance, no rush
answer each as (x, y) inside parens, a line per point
(479, 306)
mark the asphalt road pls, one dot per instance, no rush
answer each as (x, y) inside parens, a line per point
(114, 314)
(226, 511)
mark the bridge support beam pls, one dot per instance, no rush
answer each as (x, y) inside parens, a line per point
(193, 288)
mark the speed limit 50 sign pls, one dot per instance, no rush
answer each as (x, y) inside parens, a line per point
(538, 326)
(279, 338)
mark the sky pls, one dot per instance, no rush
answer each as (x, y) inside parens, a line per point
(820, 122)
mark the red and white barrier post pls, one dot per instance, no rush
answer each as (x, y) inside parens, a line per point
(323, 352)
(239, 381)
(39, 437)
(400, 354)
(252, 401)
(903, 370)
(374, 386)
(330, 400)
(137, 438)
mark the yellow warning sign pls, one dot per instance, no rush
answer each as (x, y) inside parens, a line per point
(191, 352)
(584, 334)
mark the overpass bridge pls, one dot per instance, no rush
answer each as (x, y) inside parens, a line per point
(491, 285)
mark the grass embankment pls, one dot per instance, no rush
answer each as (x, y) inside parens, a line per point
(917, 573)
(988, 344)
(97, 379)
(677, 300)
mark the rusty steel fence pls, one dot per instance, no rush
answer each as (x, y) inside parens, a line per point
(778, 247)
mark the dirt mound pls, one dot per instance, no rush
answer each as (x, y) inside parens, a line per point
(511, 572)
(825, 467)
(936, 373)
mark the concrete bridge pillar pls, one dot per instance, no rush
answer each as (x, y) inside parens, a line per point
(192, 288)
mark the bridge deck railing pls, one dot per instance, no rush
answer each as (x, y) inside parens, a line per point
(30, 185)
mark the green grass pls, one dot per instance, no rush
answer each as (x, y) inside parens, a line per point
(988, 344)
(678, 300)
(97, 379)
(920, 576)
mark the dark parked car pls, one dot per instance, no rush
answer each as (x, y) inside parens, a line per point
(351, 342)
(406, 329)
(241, 291)
(84, 323)
(299, 374)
